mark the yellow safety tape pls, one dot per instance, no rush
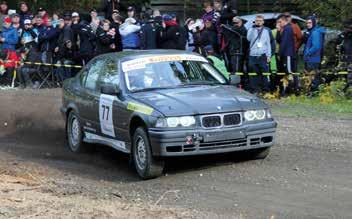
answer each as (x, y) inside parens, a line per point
(48, 64)
(283, 73)
(252, 74)
(236, 73)
(139, 108)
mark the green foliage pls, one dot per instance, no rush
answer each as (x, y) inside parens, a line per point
(63, 5)
(331, 12)
(330, 97)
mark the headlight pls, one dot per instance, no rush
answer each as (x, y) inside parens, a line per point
(260, 114)
(252, 115)
(172, 122)
(187, 121)
(249, 115)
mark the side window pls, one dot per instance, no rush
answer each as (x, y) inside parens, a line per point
(109, 73)
(93, 75)
(83, 76)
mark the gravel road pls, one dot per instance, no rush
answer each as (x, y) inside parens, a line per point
(307, 175)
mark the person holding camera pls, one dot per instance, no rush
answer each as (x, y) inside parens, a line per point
(105, 38)
(236, 44)
(260, 51)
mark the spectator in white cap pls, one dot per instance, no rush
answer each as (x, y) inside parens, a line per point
(29, 35)
(75, 18)
(129, 31)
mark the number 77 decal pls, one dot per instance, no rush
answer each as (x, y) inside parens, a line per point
(106, 103)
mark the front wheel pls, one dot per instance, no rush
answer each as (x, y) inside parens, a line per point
(74, 133)
(146, 165)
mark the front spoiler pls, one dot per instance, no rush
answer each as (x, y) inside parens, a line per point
(212, 141)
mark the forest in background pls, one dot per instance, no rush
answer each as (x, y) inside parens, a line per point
(331, 12)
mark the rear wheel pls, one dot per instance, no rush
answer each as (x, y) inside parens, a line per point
(261, 153)
(74, 133)
(146, 165)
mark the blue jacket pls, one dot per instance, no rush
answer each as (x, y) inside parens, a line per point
(11, 38)
(322, 31)
(314, 46)
(286, 41)
(131, 40)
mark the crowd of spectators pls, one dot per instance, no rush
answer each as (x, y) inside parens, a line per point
(219, 34)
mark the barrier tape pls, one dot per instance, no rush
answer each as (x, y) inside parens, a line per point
(237, 73)
(283, 73)
(48, 64)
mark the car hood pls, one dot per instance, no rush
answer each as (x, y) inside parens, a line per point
(199, 100)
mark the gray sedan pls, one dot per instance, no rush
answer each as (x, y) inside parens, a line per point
(157, 104)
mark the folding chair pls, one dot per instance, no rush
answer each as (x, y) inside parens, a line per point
(46, 75)
(46, 71)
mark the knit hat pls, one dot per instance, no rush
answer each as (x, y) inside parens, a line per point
(167, 17)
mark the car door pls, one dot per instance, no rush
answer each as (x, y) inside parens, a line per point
(90, 102)
(111, 106)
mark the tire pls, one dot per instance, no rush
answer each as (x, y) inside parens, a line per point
(260, 154)
(74, 133)
(146, 165)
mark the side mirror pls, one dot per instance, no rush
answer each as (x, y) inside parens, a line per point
(235, 79)
(110, 89)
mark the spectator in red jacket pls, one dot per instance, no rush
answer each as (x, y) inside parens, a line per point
(44, 15)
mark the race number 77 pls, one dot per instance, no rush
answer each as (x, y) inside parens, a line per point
(106, 110)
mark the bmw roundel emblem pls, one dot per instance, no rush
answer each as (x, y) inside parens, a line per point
(219, 108)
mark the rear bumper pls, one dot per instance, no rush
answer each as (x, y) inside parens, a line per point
(212, 141)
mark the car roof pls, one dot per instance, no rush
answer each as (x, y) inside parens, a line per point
(267, 16)
(250, 18)
(133, 54)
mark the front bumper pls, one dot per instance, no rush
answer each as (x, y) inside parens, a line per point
(211, 141)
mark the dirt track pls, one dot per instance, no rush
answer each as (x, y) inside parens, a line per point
(307, 175)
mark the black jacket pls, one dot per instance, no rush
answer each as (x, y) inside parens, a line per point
(87, 39)
(148, 36)
(235, 39)
(206, 37)
(104, 42)
(67, 54)
(117, 39)
(173, 37)
(47, 40)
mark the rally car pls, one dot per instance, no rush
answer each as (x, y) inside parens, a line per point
(163, 103)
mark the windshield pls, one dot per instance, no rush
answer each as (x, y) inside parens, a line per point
(171, 74)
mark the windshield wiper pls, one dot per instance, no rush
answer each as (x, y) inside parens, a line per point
(200, 83)
(151, 89)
